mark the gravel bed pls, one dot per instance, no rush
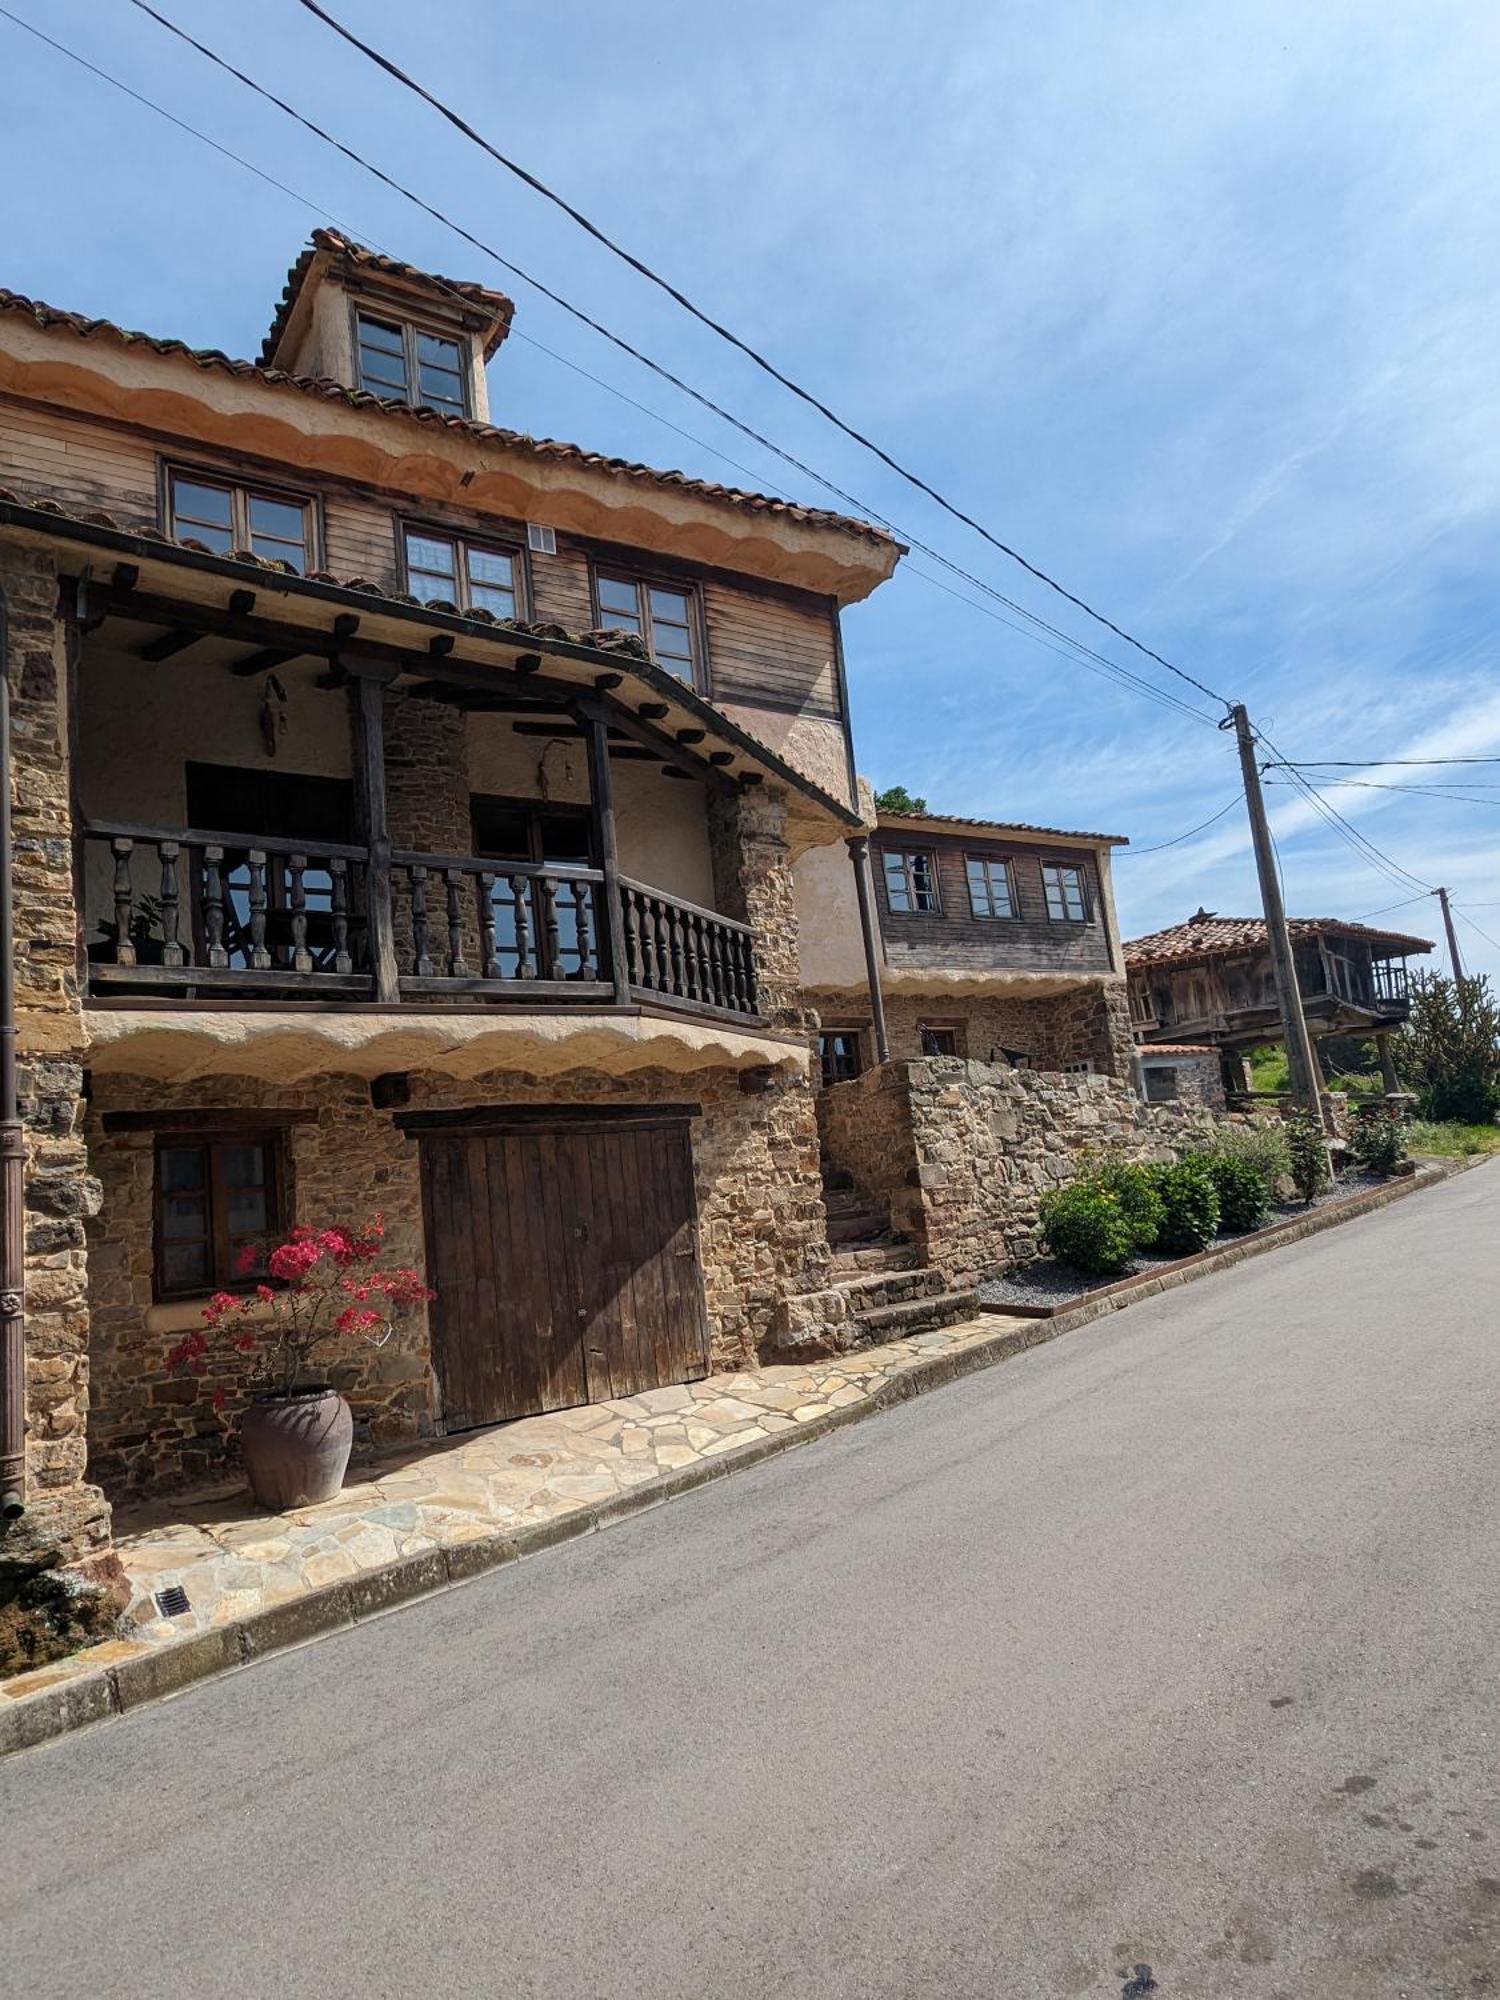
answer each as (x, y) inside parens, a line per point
(1048, 1283)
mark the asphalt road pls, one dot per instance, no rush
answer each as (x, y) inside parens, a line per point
(1170, 1645)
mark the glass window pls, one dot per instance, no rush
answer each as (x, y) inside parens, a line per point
(1066, 901)
(991, 892)
(938, 1041)
(215, 1199)
(406, 365)
(461, 573)
(230, 516)
(910, 882)
(839, 1054)
(664, 617)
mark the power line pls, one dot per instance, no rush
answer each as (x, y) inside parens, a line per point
(637, 264)
(1077, 652)
(1474, 927)
(1389, 908)
(1417, 791)
(1402, 878)
(1135, 853)
(1370, 763)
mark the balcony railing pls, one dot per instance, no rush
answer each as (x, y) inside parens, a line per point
(187, 913)
(1392, 984)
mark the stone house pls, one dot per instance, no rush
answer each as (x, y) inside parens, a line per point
(407, 814)
(1210, 981)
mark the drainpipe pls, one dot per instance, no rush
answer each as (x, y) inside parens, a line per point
(859, 854)
(12, 1152)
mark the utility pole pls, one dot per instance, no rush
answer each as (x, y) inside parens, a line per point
(1453, 958)
(1301, 1067)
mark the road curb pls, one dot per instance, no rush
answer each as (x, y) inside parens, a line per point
(115, 1689)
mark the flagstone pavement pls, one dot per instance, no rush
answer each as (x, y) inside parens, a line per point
(233, 1559)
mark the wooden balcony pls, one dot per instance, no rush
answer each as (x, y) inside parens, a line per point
(187, 914)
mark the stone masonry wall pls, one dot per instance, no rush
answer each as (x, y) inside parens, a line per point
(753, 883)
(1089, 1025)
(66, 1517)
(762, 1236)
(962, 1152)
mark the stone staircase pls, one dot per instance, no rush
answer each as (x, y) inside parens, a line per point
(890, 1292)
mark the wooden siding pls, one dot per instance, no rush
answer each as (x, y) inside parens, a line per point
(768, 647)
(954, 937)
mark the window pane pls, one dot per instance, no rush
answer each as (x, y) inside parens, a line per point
(184, 1216)
(489, 566)
(669, 604)
(442, 391)
(282, 518)
(378, 334)
(201, 503)
(423, 552)
(182, 1169)
(247, 1212)
(615, 596)
(895, 881)
(185, 1267)
(244, 1166)
(441, 353)
(489, 597)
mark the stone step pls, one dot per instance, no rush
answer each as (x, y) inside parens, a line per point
(925, 1315)
(858, 1226)
(889, 1253)
(890, 1288)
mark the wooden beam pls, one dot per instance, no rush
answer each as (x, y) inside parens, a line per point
(177, 640)
(344, 626)
(528, 663)
(691, 735)
(604, 682)
(720, 757)
(262, 662)
(125, 577)
(602, 802)
(242, 602)
(441, 644)
(653, 711)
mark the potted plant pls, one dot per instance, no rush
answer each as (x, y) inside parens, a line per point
(327, 1288)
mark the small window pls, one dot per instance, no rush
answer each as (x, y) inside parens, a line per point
(468, 574)
(1161, 1085)
(216, 1200)
(226, 516)
(840, 1055)
(664, 616)
(991, 890)
(910, 882)
(405, 365)
(938, 1040)
(1066, 900)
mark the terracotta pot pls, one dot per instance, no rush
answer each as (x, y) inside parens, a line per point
(297, 1447)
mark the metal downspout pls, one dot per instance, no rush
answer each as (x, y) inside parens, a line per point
(12, 1151)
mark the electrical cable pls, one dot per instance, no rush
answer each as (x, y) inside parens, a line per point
(644, 270)
(1370, 763)
(1494, 946)
(1389, 908)
(1135, 853)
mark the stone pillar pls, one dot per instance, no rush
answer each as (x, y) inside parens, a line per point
(66, 1518)
(753, 884)
(427, 775)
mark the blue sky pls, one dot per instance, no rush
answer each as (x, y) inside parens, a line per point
(1195, 305)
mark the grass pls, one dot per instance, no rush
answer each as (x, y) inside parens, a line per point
(1268, 1069)
(1451, 1140)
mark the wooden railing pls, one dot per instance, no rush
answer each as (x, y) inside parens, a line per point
(689, 954)
(1392, 984)
(194, 913)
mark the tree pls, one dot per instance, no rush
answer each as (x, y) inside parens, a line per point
(1449, 1050)
(897, 799)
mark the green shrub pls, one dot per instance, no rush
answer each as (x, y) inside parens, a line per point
(1084, 1225)
(1134, 1188)
(1244, 1194)
(1465, 1098)
(1309, 1153)
(1263, 1147)
(1378, 1143)
(1190, 1207)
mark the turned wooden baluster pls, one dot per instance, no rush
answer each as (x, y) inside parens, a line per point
(679, 953)
(457, 964)
(645, 932)
(550, 941)
(338, 873)
(489, 957)
(738, 988)
(172, 952)
(632, 936)
(718, 989)
(124, 902)
(747, 960)
(583, 897)
(213, 906)
(664, 973)
(524, 967)
(690, 955)
(421, 960)
(255, 862)
(296, 897)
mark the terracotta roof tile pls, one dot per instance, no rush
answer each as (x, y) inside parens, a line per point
(496, 304)
(1208, 934)
(360, 399)
(1000, 826)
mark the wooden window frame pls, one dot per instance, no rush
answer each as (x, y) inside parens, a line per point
(854, 1035)
(462, 542)
(906, 855)
(642, 581)
(953, 1029)
(214, 1141)
(1080, 876)
(409, 327)
(241, 490)
(989, 863)
(535, 810)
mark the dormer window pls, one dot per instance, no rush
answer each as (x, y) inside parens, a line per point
(405, 364)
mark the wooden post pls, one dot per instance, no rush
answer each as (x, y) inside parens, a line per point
(1301, 1068)
(602, 799)
(1388, 1074)
(1453, 958)
(859, 854)
(367, 699)
(12, 1151)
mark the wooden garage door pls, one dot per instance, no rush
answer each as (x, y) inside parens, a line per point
(565, 1264)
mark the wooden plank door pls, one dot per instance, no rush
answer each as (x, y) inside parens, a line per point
(565, 1265)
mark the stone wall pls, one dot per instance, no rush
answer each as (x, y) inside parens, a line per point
(66, 1517)
(754, 884)
(962, 1152)
(762, 1236)
(1189, 1076)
